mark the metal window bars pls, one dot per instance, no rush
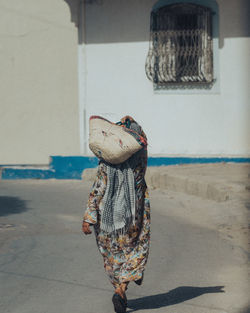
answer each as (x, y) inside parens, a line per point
(180, 49)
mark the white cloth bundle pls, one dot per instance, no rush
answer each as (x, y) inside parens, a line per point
(111, 142)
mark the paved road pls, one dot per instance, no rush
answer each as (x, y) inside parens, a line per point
(48, 266)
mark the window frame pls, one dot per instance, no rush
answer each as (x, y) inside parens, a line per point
(200, 87)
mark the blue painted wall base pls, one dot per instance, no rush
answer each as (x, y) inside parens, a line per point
(71, 167)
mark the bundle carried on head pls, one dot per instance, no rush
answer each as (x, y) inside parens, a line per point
(114, 143)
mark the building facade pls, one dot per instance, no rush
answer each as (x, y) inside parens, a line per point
(64, 61)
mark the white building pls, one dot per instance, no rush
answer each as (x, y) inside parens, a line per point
(62, 61)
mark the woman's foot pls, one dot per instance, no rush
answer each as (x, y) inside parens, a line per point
(121, 291)
(120, 304)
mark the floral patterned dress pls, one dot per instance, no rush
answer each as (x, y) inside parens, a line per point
(125, 256)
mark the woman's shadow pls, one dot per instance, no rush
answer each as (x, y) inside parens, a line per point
(172, 297)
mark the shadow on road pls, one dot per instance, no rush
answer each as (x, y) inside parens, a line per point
(172, 297)
(11, 205)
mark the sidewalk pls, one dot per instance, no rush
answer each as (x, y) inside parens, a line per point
(219, 182)
(223, 188)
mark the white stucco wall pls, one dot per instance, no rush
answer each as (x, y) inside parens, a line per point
(38, 81)
(39, 105)
(193, 124)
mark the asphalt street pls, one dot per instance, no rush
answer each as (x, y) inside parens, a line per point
(48, 266)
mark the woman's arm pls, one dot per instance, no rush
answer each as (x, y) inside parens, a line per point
(96, 194)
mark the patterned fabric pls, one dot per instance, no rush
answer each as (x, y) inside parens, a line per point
(125, 255)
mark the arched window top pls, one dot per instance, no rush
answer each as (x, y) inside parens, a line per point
(211, 4)
(177, 16)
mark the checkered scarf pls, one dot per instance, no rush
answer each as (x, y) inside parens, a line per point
(119, 201)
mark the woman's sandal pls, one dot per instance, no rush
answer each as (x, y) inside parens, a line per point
(120, 304)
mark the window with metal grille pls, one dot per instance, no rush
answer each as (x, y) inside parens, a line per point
(181, 49)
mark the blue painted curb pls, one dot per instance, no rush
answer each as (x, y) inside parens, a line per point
(71, 167)
(72, 163)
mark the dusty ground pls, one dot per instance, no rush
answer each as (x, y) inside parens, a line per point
(198, 259)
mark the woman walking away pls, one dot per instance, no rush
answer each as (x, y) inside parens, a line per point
(119, 210)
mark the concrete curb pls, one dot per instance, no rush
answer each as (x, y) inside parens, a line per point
(160, 178)
(89, 174)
